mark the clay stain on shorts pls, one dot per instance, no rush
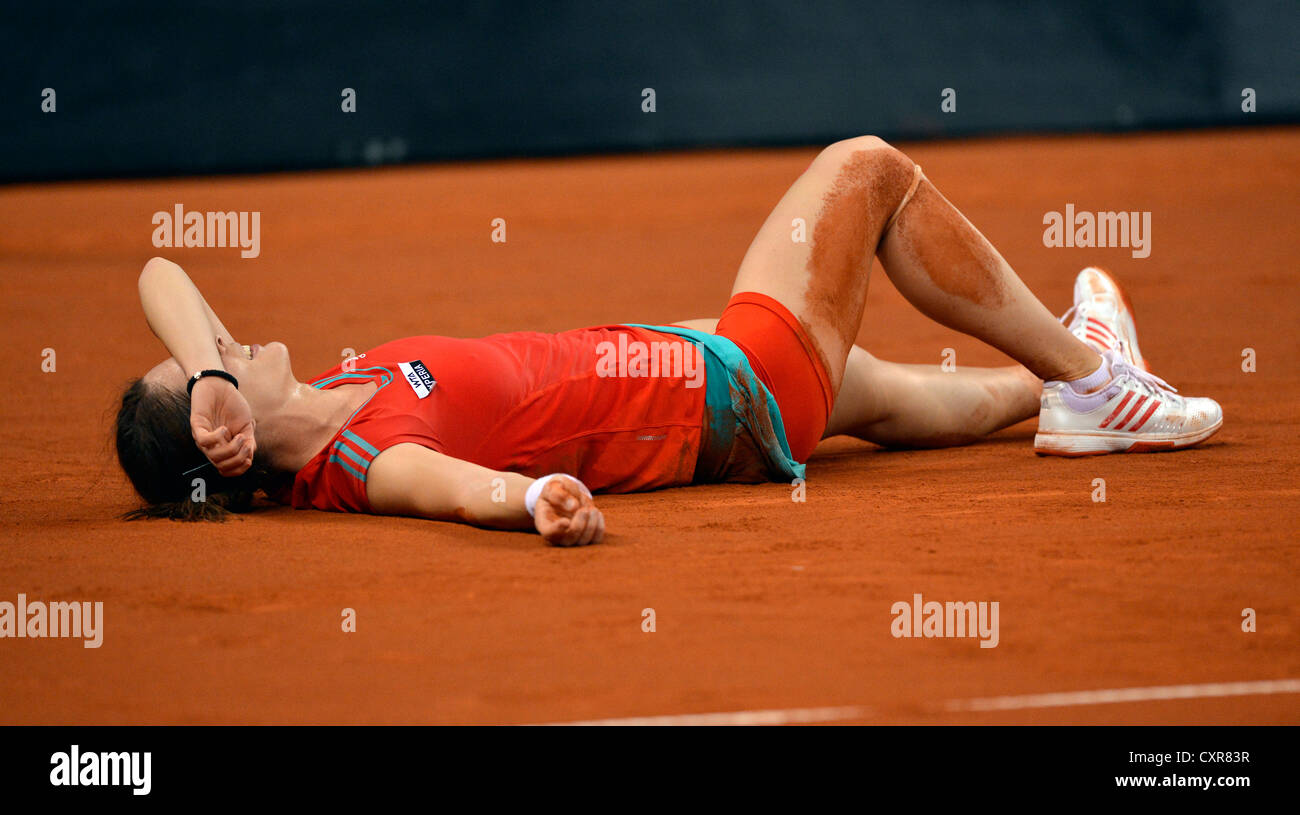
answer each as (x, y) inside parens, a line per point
(955, 256)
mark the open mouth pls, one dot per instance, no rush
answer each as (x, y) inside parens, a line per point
(250, 351)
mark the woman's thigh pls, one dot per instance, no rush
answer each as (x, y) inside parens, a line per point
(813, 254)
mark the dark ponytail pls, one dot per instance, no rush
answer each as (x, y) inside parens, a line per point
(158, 453)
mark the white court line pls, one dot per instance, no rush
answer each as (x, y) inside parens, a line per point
(806, 715)
(1112, 696)
(812, 715)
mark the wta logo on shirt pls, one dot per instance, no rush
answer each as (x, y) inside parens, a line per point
(418, 377)
(677, 359)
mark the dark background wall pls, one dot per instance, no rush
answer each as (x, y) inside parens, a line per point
(240, 85)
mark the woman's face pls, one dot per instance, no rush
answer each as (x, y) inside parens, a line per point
(265, 376)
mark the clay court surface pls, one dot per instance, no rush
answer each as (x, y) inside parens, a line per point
(761, 603)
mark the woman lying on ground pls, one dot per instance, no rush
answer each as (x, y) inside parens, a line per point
(515, 431)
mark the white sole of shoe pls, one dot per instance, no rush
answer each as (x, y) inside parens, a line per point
(1101, 442)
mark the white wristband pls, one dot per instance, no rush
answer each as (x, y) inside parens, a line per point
(535, 491)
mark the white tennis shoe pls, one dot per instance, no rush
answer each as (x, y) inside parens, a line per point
(1102, 316)
(1131, 411)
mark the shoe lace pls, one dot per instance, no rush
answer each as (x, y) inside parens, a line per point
(1078, 310)
(1120, 365)
(1065, 318)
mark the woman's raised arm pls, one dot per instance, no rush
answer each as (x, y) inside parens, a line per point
(180, 317)
(220, 419)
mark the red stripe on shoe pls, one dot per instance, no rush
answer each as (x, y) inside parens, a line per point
(1135, 428)
(1117, 409)
(1136, 407)
(1098, 324)
(1099, 339)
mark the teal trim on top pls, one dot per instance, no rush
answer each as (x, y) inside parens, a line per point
(345, 433)
(361, 461)
(360, 475)
(359, 373)
(360, 442)
(727, 394)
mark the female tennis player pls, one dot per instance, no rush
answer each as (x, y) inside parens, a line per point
(515, 431)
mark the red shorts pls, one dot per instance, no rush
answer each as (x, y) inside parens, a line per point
(784, 358)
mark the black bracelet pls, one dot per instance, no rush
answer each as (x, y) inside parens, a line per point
(217, 372)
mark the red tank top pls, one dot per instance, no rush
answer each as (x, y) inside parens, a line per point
(523, 402)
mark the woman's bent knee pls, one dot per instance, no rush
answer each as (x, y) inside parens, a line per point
(868, 162)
